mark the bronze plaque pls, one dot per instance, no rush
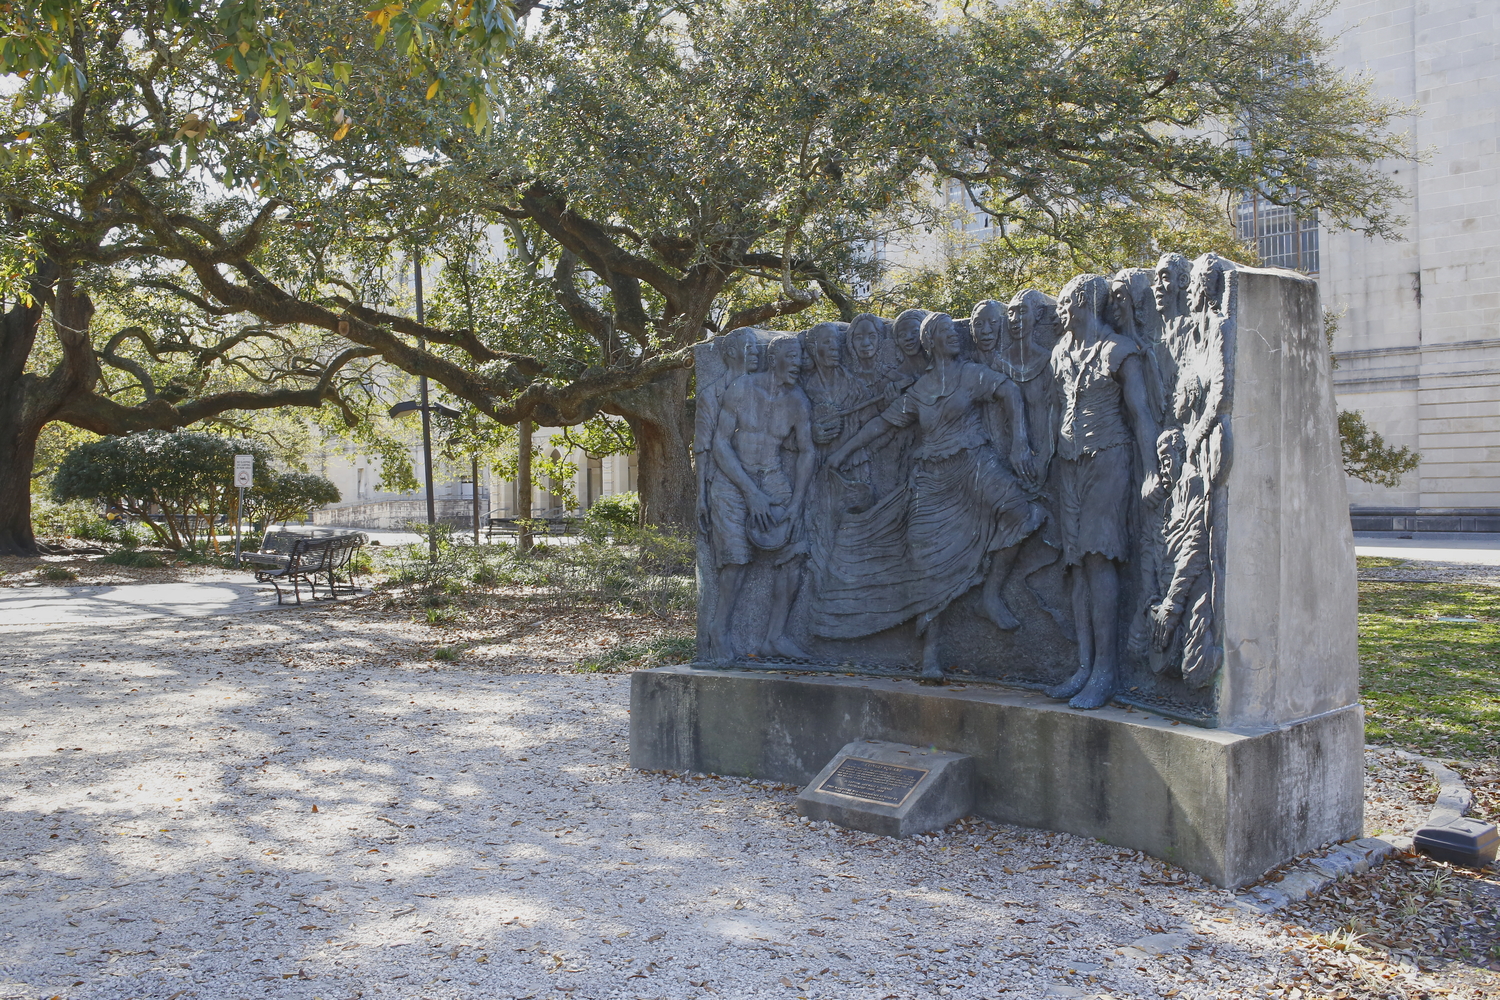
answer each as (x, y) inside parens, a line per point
(873, 780)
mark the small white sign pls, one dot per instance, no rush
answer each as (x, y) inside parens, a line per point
(244, 469)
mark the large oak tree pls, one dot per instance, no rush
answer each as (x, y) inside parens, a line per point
(662, 172)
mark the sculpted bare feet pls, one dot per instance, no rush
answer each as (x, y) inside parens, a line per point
(787, 649)
(996, 611)
(931, 672)
(1097, 692)
(1071, 686)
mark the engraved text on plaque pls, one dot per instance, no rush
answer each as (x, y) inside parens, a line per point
(873, 781)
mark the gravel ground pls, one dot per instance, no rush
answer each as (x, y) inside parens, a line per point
(1398, 793)
(89, 571)
(303, 805)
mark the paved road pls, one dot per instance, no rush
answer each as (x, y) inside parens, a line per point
(130, 602)
(1475, 548)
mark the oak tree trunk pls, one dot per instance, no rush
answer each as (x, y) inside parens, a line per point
(17, 453)
(661, 418)
(29, 401)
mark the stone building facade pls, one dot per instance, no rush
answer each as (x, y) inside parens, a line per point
(1418, 345)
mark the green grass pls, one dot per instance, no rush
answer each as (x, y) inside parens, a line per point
(1379, 562)
(59, 573)
(659, 652)
(1429, 686)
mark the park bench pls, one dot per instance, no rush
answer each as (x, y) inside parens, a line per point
(505, 527)
(509, 527)
(308, 560)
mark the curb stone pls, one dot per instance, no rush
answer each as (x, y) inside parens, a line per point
(1316, 874)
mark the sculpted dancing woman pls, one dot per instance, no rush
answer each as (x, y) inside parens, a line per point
(960, 514)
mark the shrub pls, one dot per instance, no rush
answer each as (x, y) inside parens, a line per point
(72, 519)
(612, 516)
(445, 653)
(59, 573)
(441, 616)
(132, 558)
(286, 496)
(187, 475)
(654, 572)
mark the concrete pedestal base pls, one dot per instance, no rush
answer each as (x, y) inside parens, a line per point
(1228, 805)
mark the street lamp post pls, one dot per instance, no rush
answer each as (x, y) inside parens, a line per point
(427, 409)
(426, 422)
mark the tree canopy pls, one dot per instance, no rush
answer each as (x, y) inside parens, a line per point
(655, 173)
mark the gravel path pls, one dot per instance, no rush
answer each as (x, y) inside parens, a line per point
(298, 805)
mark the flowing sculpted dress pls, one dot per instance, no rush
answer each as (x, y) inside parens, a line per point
(923, 546)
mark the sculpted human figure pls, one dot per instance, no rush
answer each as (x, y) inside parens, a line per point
(1131, 313)
(1104, 417)
(763, 447)
(1198, 447)
(830, 388)
(740, 351)
(882, 467)
(961, 514)
(987, 325)
(911, 361)
(836, 397)
(1025, 355)
(1169, 288)
(865, 365)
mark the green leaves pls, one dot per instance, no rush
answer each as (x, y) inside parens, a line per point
(1064, 106)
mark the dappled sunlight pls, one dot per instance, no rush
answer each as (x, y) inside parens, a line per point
(285, 805)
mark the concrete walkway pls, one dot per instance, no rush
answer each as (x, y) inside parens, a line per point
(1471, 547)
(130, 602)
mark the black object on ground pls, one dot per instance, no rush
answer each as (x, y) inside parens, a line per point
(1468, 842)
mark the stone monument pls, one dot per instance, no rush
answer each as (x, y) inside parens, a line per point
(1100, 544)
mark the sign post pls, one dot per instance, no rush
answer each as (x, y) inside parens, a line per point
(244, 472)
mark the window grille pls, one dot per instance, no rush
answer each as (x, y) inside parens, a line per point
(1283, 238)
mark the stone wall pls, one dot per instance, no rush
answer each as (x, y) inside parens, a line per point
(1419, 339)
(397, 514)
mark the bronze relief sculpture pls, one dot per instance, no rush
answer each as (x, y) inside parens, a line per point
(1027, 495)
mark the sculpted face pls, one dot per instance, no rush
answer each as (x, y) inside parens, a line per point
(741, 352)
(908, 335)
(864, 341)
(1164, 289)
(942, 336)
(786, 360)
(986, 325)
(1069, 310)
(1119, 311)
(825, 348)
(750, 354)
(1016, 314)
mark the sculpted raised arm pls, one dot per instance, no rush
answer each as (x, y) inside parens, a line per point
(874, 429)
